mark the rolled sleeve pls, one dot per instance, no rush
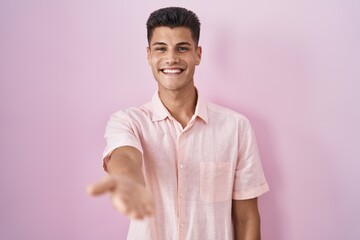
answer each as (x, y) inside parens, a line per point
(249, 179)
(119, 132)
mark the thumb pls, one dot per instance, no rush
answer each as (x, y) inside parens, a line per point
(101, 187)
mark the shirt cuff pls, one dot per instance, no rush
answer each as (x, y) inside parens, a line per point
(251, 193)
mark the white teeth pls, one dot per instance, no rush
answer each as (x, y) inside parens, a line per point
(172, 71)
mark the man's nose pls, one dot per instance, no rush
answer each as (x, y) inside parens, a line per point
(172, 57)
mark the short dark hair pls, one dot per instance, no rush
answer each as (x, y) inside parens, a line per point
(174, 17)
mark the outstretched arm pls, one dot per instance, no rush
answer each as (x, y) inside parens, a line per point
(125, 183)
(246, 219)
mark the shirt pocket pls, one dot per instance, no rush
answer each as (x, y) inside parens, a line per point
(215, 181)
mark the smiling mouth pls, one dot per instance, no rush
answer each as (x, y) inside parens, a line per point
(172, 71)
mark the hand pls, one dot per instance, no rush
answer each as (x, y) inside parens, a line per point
(128, 196)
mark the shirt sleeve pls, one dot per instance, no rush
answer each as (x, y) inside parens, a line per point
(249, 179)
(120, 131)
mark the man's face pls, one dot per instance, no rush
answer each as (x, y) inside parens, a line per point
(173, 55)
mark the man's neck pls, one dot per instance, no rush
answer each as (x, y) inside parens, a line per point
(180, 104)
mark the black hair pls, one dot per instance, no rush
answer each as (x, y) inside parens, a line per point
(174, 17)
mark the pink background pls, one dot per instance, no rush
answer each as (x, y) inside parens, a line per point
(292, 67)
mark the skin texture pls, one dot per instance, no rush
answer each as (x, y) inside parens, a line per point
(246, 219)
(125, 184)
(174, 49)
(173, 56)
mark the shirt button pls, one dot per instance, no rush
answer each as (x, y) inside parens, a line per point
(182, 225)
(181, 166)
(181, 195)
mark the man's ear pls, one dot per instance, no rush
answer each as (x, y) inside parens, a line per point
(198, 54)
(148, 54)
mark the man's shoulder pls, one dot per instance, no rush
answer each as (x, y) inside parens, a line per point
(216, 110)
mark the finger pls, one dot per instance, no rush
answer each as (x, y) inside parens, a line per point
(140, 211)
(149, 206)
(120, 205)
(149, 209)
(101, 187)
(136, 214)
(127, 208)
(131, 209)
(143, 210)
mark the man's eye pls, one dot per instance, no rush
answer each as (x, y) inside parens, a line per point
(160, 49)
(183, 49)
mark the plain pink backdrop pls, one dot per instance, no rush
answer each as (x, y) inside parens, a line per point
(291, 66)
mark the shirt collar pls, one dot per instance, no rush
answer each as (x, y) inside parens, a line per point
(160, 112)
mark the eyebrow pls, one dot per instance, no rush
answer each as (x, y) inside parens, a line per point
(180, 43)
(184, 43)
(158, 43)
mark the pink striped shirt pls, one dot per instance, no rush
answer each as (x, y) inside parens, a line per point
(194, 172)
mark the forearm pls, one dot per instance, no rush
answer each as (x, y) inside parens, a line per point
(126, 161)
(246, 219)
(247, 229)
(125, 183)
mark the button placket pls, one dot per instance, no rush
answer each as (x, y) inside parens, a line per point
(181, 163)
(181, 167)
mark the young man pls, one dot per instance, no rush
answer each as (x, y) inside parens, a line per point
(189, 169)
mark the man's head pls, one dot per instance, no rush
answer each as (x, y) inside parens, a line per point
(174, 17)
(173, 51)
